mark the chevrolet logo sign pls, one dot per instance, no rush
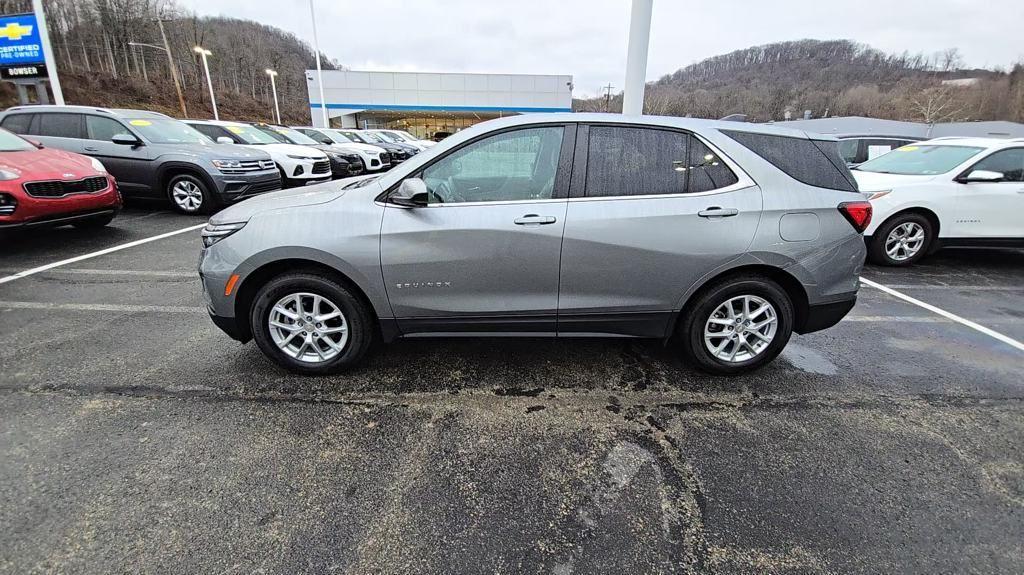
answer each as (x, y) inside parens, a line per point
(15, 31)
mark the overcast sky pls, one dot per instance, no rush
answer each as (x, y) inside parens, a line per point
(587, 38)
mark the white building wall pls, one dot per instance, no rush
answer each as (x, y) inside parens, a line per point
(348, 92)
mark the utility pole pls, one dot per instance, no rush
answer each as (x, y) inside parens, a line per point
(170, 63)
(608, 97)
(636, 57)
(51, 62)
(319, 70)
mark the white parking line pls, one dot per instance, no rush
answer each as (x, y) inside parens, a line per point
(127, 308)
(977, 327)
(33, 271)
(129, 273)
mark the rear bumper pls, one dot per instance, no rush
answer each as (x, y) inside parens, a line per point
(825, 315)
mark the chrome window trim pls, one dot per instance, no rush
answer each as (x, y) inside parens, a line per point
(730, 188)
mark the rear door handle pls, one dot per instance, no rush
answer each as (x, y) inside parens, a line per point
(91, 149)
(717, 212)
(534, 220)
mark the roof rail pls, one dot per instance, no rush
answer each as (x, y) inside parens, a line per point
(950, 138)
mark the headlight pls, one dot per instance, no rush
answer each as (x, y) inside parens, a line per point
(98, 165)
(876, 195)
(214, 233)
(335, 156)
(301, 157)
(9, 175)
(227, 164)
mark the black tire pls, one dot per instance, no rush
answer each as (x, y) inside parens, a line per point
(359, 319)
(94, 222)
(876, 249)
(699, 311)
(207, 203)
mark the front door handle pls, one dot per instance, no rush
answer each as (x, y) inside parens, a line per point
(534, 220)
(91, 149)
(717, 212)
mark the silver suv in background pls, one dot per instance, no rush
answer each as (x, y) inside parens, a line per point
(151, 155)
(728, 236)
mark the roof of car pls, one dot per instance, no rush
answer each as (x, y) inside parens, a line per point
(973, 142)
(119, 112)
(217, 122)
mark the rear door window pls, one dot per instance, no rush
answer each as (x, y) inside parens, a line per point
(61, 125)
(813, 162)
(633, 161)
(17, 123)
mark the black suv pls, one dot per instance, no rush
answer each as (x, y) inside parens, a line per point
(151, 155)
(343, 164)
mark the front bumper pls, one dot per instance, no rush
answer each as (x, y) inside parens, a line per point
(344, 169)
(58, 219)
(232, 188)
(229, 325)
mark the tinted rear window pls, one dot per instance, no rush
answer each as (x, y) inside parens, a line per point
(815, 163)
(60, 125)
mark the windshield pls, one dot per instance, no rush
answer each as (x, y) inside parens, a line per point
(11, 143)
(353, 137)
(251, 135)
(288, 135)
(915, 160)
(338, 136)
(408, 137)
(390, 137)
(372, 138)
(168, 131)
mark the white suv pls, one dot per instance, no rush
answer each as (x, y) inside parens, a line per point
(299, 165)
(943, 192)
(374, 158)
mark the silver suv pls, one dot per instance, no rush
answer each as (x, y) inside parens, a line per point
(727, 236)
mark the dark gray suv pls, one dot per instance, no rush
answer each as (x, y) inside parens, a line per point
(727, 236)
(151, 155)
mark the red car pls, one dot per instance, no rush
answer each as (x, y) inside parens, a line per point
(47, 187)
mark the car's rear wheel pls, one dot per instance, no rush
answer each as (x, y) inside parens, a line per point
(737, 325)
(309, 323)
(902, 241)
(190, 195)
(94, 222)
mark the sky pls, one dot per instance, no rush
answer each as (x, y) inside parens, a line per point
(587, 38)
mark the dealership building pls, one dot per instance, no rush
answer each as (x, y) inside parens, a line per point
(426, 103)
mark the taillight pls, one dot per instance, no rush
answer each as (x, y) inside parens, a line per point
(857, 213)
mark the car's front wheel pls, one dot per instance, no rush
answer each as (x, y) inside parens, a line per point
(190, 195)
(737, 325)
(902, 240)
(309, 323)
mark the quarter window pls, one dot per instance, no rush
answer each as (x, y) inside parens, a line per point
(813, 162)
(17, 123)
(99, 128)
(1009, 163)
(627, 161)
(61, 125)
(517, 165)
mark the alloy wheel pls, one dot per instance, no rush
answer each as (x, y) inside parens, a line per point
(741, 328)
(904, 241)
(187, 195)
(308, 327)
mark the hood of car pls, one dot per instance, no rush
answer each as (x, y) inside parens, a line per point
(291, 150)
(875, 181)
(213, 151)
(47, 164)
(360, 146)
(283, 199)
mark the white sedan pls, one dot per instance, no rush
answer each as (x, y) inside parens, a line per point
(943, 192)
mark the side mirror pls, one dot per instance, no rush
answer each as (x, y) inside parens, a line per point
(224, 140)
(125, 140)
(327, 141)
(982, 176)
(35, 143)
(411, 193)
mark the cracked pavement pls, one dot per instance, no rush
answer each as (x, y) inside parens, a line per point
(134, 437)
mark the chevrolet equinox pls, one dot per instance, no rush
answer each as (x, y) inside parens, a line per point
(727, 236)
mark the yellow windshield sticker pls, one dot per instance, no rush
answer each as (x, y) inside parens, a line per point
(235, 129)
(141, 123)
(907, 149)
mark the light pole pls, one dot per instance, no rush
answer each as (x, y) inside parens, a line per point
(51, 62)
(170, 63)
(209, 83)
(273, 88)
(319, 70)
(636, 57)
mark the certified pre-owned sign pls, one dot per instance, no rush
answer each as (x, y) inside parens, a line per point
(19, 41)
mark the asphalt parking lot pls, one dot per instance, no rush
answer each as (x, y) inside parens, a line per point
(135, 437)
